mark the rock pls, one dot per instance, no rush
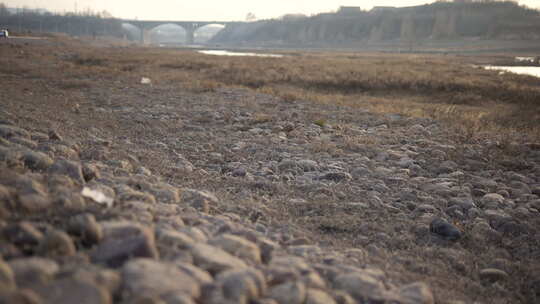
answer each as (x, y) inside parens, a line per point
(7, 131)
(108, 279)
(213, 259)
(24, 235)
(444, 229)
(267, 248)
(33, 203)
(242, 285)
(289, 293)
(7, 278)
(68, 291)
(122, 241)
(68, 168)
(316, 296)
(360, 285)
(133, 195)
(53, 135)
(34, 270)
(491, 201)
(174, 240)
(153, 278)
(343, 298)
(416, 293)
(56, 243)
(201, 276)
(492, 275)
(304, 250)
(36, 160)
(90, 172)
(199, 200)
(238, 246)
(21, 296)
(336, 176)
(86, 228)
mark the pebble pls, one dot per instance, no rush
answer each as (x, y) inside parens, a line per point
(238, 246)
(289, 293)
(444, 229)
(33, 270)
(56, 243)
(492, 275)
(86, 228)
(68, 168)
(213, 259)
(153, 278)
(7, 278)
(123, 241)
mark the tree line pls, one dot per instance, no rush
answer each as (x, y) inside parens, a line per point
(85, 23)
(485, 19)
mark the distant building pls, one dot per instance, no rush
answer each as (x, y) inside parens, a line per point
(294, 16)
(349, 10)
(379, 9)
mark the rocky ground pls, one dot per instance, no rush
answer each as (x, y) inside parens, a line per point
(130, 193)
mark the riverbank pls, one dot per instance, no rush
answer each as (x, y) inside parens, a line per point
(316, 178)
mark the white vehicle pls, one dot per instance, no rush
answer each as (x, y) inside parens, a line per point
(4, 34)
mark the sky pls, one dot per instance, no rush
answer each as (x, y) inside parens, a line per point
(211, 10)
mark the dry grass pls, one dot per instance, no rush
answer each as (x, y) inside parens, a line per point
(477, 102)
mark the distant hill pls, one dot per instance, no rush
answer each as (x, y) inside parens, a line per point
(443, 20)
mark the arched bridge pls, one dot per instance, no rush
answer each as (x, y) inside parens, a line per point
(189, 26)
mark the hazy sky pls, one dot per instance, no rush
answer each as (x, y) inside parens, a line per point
(219, 10)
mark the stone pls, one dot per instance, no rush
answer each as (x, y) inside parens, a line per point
(242, 285)
(444, 229)
(33, 203)
(238, 246)
(86, 228)
(153, 278)
(336, 176)
(213, 259)
(416, 293)
(56, 243)
(316, 296)
(304, 250)
(21, 296)
(34, 270)
(7, 278)
(108, 279)
(122, 241)
(492, 275)
(90, 172)
(174, 240)
(68, 291)
(23, 235)
(7, 131)
(289, 293)
(68, 168)
(54, 135)
(36, 160)
(201, 276)
(360, 285)
(493, 200)
(199, 200)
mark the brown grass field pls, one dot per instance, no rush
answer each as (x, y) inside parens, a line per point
(478, 103)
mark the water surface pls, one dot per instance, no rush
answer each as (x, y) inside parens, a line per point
(229, 53)
(524, 70)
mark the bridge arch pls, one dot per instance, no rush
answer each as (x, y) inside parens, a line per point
(206, 32)
(190, 27)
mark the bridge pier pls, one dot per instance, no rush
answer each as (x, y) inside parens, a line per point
(190, 36)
